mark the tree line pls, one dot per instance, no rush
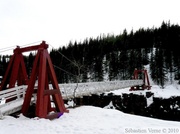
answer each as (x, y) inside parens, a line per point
(114, 57)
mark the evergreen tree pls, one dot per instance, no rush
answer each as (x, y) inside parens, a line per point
(115, 57)
(161, 71)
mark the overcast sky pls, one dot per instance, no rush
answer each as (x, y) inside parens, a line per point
(60, 21)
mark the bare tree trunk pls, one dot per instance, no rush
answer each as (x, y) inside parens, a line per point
(77, 81)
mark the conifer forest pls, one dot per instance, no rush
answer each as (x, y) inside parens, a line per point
(114, 57)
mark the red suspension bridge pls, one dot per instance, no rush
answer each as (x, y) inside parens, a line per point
(18, 91)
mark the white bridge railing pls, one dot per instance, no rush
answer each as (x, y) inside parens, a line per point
(84, 89)
(11, 100)
(16, 95)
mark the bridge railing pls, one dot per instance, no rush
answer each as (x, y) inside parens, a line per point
(83, 89)
(67, 90)
(16, 95)
(10, 100)
(13, 92)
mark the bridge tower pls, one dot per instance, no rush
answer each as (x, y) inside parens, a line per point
(144, 76)
(15, 72)
(43, 73)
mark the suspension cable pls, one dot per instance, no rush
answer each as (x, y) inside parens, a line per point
(68, 59)
(65, 57)
(13, 47)
(6, 49)
(31, 43)
(64, 70)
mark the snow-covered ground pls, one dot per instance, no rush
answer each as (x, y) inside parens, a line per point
(95, 120)
(167, 92)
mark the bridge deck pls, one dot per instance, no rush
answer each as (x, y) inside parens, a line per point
(83, 89)
(67, 91)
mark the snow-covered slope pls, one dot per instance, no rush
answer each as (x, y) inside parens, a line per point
(88, 120)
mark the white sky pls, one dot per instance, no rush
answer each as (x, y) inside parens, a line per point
(59, 21)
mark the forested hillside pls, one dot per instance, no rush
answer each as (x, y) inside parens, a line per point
(114, 57)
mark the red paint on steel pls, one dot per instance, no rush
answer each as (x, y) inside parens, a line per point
(16, 72)
(146, 83)
(43, 72)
